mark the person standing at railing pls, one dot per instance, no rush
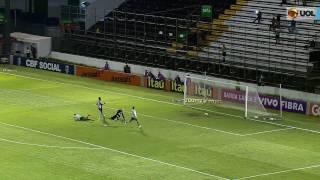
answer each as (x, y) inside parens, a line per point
(283, 2)
(277, 33)
(273, 24)
(28, 52)
(223, 53)
(259, 17)
(292, 26)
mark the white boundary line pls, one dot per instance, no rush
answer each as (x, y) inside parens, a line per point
(47, 146)
(192, 125)
(116, 151)
(264, 132)
(280, 172)
(164, 102)
(187, 124)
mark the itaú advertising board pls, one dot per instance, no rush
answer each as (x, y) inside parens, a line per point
(314, 109)
(43, 64)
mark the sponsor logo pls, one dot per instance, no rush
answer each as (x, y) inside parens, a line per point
(91, 74)
(49, 66)
(315, 109)
(177, 86)
(202, 91)
(292, 13)
(121, 79)
(156, 84)
(303, 13)
(211, 101)
(45, 65)
(271, 102)
(30, 63)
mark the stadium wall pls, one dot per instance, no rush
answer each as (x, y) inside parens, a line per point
(170, 74)
(312, 100)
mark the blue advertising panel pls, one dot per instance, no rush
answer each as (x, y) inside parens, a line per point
(44, 64)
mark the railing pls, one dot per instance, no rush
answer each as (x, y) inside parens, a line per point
(152, 35)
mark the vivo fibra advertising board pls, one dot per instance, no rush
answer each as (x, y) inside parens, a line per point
(43, 64)
(271, 102)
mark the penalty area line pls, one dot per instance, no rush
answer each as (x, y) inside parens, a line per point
(164, 102)
(264, 132)
(281, 172)
(186, 124)
(117, 151)
(47, 146)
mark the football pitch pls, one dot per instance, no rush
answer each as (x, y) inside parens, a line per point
(40, 140)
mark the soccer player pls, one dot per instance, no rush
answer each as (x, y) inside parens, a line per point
(119, 114)
(134, 116)
(78, 117)
(100, 108)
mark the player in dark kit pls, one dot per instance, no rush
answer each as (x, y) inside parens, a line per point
(119, 115)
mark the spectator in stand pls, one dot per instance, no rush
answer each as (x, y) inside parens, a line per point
(259, 16)
(304, 2)
(126, 68)
(106, 66)
(151, 75)
(28, 52)
(223, 53)
(278, 21)
(273, 24)
(277, 37)
(178, 79)
(292, 27)
(283, 2)
(311, 44)
(260, 80)
(161, 77)
(34, 51)
(97, 30)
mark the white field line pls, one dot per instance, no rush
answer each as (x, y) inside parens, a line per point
(192, 125)
(47, 146)
(38, 88)
(116, 151)
(280, 172)
(187, 124)
(164, 102)
(26, 91)
(263, 132)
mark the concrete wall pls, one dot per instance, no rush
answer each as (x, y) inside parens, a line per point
(138, 69)
(17, 4)
(98, 9)
(54, 7)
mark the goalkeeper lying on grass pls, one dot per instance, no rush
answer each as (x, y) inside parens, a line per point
(78, 117)
(118, 116)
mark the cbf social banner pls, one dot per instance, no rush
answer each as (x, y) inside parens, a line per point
(43, 64)
(270, 102)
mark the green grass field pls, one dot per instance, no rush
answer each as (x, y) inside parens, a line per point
(40, 140)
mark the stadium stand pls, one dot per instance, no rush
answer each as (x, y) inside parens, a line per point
(175, 36)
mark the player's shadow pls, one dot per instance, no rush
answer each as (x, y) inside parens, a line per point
(140, 130)
(85, 121)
